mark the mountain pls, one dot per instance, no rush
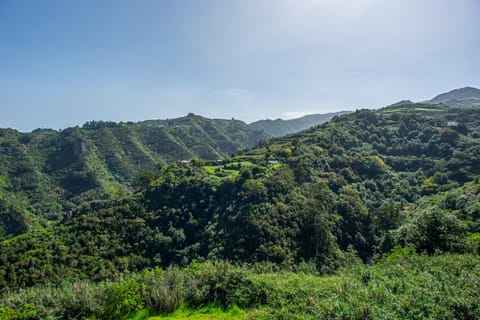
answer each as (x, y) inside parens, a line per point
(467, 97)
(47, 172)
(400, 103)
(353, 187)
(279, 127)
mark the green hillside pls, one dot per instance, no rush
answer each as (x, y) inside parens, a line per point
(348, 190)
(342, 186)
(45, 174)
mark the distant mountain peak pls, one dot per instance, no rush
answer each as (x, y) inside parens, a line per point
(467, 97)
(280, 127)
(400, 103)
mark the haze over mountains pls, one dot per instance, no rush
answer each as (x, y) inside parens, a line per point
(280, 127)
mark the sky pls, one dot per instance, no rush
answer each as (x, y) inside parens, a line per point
(65, 62)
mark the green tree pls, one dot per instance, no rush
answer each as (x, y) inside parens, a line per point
(433, 229)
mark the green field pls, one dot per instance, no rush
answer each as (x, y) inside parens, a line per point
(231, 169)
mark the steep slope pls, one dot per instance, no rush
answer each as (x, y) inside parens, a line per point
(339, 189)
(279, 127)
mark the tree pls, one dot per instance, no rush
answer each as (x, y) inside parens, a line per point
(433, 229)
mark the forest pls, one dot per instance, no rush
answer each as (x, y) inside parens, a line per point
(374, 214)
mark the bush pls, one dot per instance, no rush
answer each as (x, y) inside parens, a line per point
(220, 283)
(472, 244)
(163, 291)
(433, 229)
(122, 298)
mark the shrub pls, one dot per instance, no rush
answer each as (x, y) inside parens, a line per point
(163, 291)
(433, 229)
(121, 299)
(220, 283)
(472, 244)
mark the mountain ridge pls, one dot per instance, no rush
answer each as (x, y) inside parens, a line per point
(281, 127)
(46, 172)
(467, 97)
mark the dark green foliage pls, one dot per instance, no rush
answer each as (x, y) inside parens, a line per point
(433, 229)
(13, 220)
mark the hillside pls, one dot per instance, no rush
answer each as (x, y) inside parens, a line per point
(467, 97)
(280, 127)
(341, 187)
(400, 104)
(45, 173)
(296, 215)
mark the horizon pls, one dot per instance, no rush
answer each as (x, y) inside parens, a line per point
(291, 116)
(66, 63)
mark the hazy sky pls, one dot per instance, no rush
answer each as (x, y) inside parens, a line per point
(66, 62)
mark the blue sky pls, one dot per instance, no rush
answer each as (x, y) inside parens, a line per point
(65, 62)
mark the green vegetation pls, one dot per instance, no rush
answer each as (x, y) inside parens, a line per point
(403, 285)
(416, 108)
(371, 215)
(204, 313)
(49, 173)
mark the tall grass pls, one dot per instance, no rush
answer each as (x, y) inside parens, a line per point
(404, 285)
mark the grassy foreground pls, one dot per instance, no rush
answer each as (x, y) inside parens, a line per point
(402, 286)
(205, 313)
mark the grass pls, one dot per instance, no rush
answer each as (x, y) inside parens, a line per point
(221, 171)
(242, 163)
(410, 109)
(404, 285)
(429, 109)
(392, 110)
(211, 169)
(206, 313)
